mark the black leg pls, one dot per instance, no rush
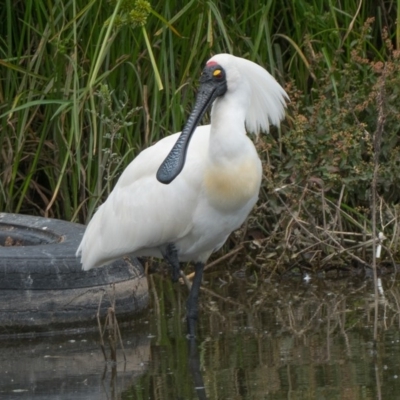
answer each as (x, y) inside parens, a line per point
(171, 256)
(192, 304)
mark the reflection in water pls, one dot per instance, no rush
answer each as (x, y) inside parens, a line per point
(194, 367)
(68, 368)
(272, 340)
(278, 341)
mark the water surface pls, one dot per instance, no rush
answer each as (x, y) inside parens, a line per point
(287, 339)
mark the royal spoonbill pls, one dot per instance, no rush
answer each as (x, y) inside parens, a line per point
(181, 198)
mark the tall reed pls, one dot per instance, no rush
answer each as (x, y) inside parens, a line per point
(80, 88)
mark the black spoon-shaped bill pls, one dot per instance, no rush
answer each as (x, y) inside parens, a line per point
(213, 84)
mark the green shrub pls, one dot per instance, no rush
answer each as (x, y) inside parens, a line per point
(318, 186)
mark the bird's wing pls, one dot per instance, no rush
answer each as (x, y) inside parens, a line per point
(142, 212)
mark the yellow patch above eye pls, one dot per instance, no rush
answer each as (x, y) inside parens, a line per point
(217, 72)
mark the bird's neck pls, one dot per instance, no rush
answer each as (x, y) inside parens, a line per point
(233, 173)
(228, 138)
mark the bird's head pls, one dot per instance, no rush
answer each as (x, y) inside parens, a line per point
(261, 96)
(264, 98)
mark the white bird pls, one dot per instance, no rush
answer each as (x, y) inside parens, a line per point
(181, 201)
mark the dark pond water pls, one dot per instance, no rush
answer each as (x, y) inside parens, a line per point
(271, 340)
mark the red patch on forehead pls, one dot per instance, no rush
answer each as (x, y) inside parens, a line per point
(211, 63)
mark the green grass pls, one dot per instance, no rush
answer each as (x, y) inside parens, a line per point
(86, 85)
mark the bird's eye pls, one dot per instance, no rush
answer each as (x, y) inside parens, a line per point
(217, 73)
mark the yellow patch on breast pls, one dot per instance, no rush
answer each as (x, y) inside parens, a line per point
(231, 187)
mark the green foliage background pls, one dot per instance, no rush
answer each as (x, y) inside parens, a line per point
(84, 86)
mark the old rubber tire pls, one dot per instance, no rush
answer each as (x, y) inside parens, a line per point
(43, 287)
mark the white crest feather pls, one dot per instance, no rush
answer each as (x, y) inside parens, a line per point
(267, 97)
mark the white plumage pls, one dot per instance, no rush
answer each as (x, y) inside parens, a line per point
(215, 191)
